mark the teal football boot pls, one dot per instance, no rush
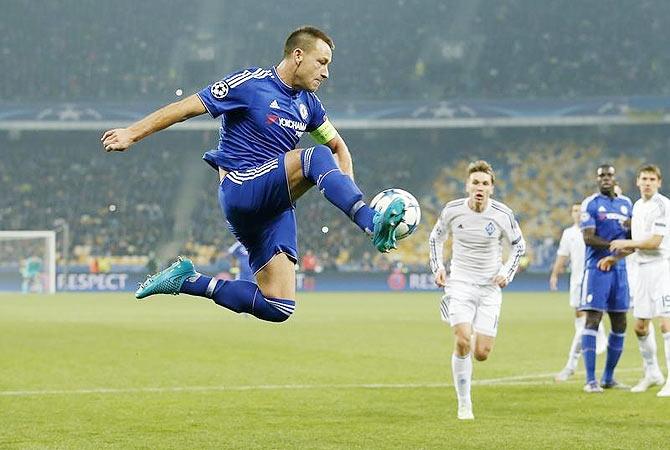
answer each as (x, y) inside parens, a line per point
(167, 281)
(385, 224)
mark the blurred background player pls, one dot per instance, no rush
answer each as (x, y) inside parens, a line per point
(651, 243)
(31, 274)
(472, 294)
(241, 262)
(262, 174)
(604, 218)
(571, 248)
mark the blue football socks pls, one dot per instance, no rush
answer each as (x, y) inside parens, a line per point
(319, 167)
(589, 353)
(614, 350)
(239, 296)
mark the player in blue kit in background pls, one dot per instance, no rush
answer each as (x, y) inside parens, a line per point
(262, 174)
(604, 218)
(241, 256)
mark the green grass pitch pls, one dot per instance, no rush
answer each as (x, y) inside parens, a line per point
(354, 370)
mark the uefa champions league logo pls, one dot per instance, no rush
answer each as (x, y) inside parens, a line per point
(219, 89)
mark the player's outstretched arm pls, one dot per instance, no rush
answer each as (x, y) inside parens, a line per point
(119, 139)
(651, 243)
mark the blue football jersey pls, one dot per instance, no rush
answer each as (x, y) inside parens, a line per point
(607, 215)
(262, 117)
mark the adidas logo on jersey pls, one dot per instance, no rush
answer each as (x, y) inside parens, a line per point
(274, 104)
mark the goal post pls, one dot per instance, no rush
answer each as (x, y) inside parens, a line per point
(28, 261)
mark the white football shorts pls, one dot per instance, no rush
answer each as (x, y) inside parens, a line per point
(475, 304)
(575, 295)
(652, 290)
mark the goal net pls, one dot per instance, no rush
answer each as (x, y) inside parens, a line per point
(28, 261)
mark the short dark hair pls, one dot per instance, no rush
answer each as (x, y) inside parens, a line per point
(304, 38)
(601, 168)
(482, 166)
(650, 168)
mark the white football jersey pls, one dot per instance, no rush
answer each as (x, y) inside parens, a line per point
(651, 217)
(476, 255)
(572, 245)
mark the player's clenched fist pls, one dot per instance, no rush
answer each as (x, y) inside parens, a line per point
(118, 139)
(441, 278)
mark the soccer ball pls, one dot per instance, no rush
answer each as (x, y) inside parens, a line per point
(412, 210)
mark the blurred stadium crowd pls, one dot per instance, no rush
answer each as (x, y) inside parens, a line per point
(128, 206)
(426, 49)
(125, 207)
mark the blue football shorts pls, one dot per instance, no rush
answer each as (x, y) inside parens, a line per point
(258, 208)
(605, 291)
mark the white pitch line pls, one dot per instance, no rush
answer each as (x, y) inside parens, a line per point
(516, 380)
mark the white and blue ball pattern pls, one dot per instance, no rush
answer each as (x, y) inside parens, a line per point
(412, 210)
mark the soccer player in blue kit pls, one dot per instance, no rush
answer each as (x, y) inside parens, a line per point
(604, 218)
(241, 256)
(265, 112)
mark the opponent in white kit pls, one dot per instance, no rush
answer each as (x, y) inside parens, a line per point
(651, 242)
(472, 299)
(571, 247)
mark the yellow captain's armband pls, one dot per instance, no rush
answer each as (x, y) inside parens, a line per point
(324, 133)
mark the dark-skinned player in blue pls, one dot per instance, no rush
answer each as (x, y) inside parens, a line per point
(605, 217)
(264, 113)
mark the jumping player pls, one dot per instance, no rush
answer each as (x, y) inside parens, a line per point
(265, 112)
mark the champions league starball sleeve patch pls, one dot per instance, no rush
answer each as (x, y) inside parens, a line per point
(219, 89)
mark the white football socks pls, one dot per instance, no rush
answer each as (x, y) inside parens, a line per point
(601, 338)
(647, 345)
(461, 368)
(576, 346)
(666, 339)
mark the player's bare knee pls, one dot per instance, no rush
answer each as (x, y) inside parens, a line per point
(593, 319)
(641, 328)
(618, 321)
(483, 348)
(462, 344)
(482, 354)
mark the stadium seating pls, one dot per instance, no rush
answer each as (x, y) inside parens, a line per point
(123, 205)
(438, 49)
